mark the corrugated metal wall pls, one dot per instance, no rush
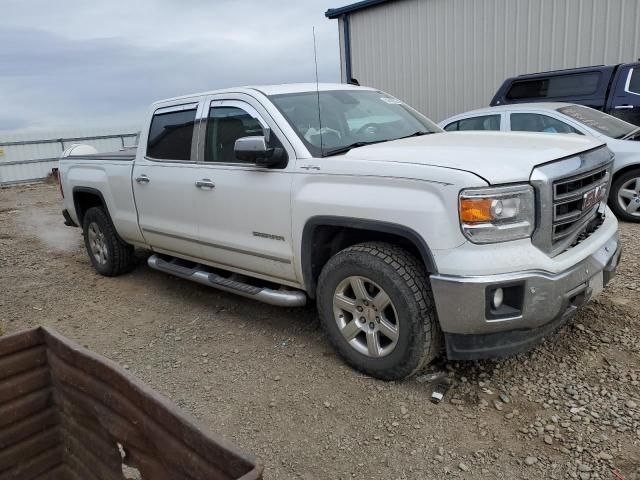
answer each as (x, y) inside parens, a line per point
(31, 156)
(448, 56)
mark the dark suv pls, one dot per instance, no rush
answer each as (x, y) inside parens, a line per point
(614, 89)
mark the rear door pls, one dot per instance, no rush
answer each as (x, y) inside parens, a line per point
(164, 182)
(244, 210)
(625, 103)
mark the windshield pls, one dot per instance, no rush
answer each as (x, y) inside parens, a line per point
(350, 118)
(601, 122)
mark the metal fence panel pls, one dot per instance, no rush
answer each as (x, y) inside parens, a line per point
(29, 157)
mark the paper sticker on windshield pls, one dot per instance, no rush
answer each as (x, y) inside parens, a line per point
(391, 100)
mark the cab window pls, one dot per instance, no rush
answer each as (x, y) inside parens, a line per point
(224, 126)
(634, 81)
(170, 135)
(536, 122)
(568, 85)
(484, 122)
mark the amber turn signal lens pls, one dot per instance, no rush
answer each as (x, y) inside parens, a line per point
(475, 210)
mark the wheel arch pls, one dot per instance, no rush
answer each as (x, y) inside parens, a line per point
(324, 236)
(85, 198)
(625, 169)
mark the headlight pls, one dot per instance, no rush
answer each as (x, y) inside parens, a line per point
(499, 214)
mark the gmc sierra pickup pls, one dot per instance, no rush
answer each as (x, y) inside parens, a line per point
(409, 239)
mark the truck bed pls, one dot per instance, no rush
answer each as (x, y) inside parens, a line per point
(128, 154)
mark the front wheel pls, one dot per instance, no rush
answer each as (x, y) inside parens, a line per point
(376, 306)
(625, 196)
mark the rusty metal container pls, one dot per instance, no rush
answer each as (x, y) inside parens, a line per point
(69, 414)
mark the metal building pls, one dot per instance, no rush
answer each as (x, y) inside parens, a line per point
(26, 157)
(448, 56)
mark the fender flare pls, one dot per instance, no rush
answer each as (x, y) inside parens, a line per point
(361, 224)
(92, 191)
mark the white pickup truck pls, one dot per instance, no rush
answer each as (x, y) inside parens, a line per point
(408, 238)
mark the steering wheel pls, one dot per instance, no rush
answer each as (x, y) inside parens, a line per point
(368, 128)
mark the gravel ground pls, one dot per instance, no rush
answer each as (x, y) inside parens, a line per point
(266, 378)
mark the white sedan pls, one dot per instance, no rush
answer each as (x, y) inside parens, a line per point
(622, 138)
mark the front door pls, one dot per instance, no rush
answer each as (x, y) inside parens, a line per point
(626, 100)
(164, 183)
(244, 211)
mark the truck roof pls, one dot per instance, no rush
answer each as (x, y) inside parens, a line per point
(515, 107)
(273, 89)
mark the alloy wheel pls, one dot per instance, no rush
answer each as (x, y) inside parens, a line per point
(629, 197)
(366, 316)
(97, 243)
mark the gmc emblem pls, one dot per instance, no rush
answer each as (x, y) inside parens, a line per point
(590, 198)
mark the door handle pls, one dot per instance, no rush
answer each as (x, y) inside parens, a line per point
(143, 179)
(205, 183)
(621, 107)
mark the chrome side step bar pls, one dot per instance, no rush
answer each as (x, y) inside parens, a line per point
(280, 298)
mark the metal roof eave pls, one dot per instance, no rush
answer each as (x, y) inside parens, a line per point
(336, 12)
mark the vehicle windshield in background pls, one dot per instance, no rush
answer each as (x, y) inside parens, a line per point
(349, 119)
(605, 124)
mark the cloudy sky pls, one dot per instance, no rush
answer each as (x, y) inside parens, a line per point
(74, 63)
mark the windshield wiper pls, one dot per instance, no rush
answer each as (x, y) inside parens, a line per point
(631, 134)
(419, 133)
(346, 148)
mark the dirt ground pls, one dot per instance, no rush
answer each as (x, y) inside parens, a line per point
(266, 379)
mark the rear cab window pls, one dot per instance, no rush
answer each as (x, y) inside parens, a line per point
(556, 86)
(482, 122)
(171, 133)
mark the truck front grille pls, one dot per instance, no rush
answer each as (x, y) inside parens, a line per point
(570, 196)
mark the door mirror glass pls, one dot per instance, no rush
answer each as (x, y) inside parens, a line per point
(257, 150)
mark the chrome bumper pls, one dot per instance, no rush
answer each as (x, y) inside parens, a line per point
(540, 302)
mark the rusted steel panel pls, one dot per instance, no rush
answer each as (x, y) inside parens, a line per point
(20, 341)
(33, 424)
(67, 413)
(24, 383)
(21, 408)
(24, 360)
(21, 453)
(39, 465)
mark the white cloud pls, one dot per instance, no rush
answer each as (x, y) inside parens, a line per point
(101, 63)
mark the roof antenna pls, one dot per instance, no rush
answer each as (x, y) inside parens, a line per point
(315, 59)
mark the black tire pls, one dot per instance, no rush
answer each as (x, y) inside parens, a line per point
(119, 257)
(404, 278)
(614, 204)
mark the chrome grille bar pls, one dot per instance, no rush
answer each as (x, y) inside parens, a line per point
(563, 191)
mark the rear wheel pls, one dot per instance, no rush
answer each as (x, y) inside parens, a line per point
(375, 303)
(109, 254)
(625, 196)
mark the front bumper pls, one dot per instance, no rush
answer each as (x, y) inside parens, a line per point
(544, 302)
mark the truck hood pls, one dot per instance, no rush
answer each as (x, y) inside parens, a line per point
(497, 157)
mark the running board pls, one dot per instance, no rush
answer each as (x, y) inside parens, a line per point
(280, 298)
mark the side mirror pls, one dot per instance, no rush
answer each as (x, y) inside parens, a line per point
(257, 150)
